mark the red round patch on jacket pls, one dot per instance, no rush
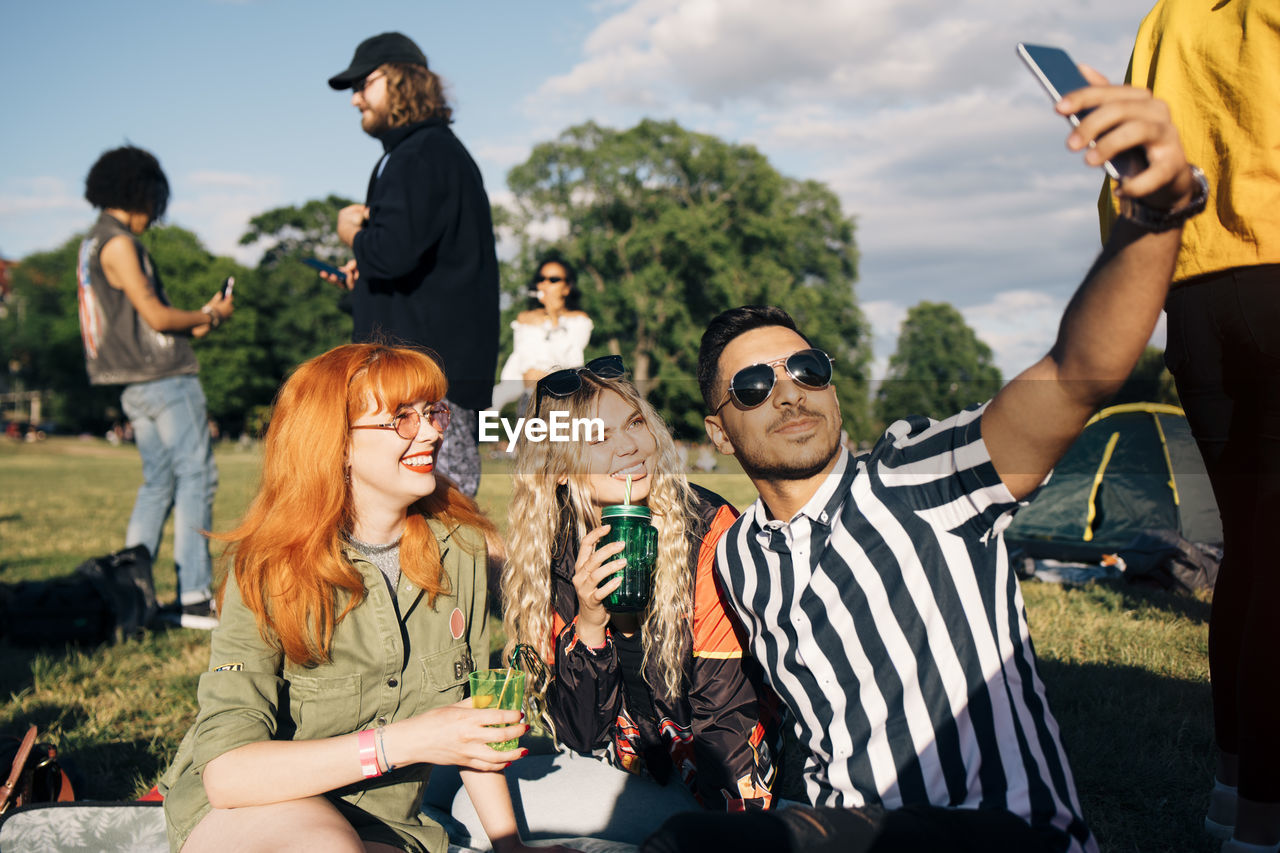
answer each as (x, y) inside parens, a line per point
(457, 623)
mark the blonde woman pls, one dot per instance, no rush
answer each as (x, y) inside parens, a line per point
(663, 692)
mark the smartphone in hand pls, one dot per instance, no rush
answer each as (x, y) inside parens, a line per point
(1059, 75)
(228, 286)
(323, 267)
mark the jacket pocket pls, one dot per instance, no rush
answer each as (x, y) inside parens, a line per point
(324, 707)
(447, 671)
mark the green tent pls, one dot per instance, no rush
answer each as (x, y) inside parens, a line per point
(1134, 468)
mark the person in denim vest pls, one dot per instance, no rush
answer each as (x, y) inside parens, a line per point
(133, 337)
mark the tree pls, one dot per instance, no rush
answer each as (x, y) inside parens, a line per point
(284, 315)
(668, 228)
(40, 332)
(300, 314)
(40, 341)
(939, 368)
(234, 368)
(1150, 381)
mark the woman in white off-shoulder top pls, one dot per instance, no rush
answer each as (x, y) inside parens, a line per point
(549, 336)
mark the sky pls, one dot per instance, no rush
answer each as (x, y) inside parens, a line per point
(917, 113)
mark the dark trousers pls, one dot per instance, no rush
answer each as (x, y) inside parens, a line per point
(1224, 353)
(911, 829)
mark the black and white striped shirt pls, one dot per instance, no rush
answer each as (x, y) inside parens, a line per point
(886, 615)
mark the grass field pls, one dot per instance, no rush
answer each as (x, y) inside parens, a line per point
(1126, 668)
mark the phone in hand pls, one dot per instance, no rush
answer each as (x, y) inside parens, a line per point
(228, 286)
(323, 267)
(1059, 75)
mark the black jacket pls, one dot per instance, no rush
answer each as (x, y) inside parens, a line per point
(428, 270)
(721, 732)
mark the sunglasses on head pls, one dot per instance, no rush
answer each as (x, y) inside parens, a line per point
(752, 385)
(562, 383)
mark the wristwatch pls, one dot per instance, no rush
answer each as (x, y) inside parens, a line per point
(1155, 219)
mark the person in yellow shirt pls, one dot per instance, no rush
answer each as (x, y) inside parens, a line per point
(1217, 65)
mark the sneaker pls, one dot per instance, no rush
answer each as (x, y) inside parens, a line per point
(202, 615)
(1220, 822)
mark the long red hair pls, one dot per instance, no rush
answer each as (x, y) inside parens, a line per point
(288, 548)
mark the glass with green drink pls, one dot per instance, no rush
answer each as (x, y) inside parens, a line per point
(630, 524)
(498, 688)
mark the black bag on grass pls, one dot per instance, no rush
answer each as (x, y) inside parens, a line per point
(107, 598)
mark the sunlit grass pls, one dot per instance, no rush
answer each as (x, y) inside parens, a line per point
(1126, 669)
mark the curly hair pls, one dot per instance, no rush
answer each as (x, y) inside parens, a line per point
(130, 179)
(414, 93)
(288, 548)
(543, 513)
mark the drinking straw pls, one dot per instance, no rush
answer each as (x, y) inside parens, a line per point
(627, 498)
(505, 682)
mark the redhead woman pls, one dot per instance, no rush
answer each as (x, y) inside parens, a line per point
(352, 614)
(665, 692)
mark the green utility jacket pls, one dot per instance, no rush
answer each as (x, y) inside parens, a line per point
(384, 667)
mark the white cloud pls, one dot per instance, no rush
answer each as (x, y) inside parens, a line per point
(33, 208)
(917, 113)
(502, 155)
(40, 194)
(218, 205)
(886, 318)
(716, 51)
(1018, 325)
(228, 180)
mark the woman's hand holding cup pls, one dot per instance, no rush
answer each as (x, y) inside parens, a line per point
(593, 567)
(457, 734)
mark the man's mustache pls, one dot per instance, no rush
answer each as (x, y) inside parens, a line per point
(792, 415)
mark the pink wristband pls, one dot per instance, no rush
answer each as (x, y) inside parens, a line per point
(369, 755)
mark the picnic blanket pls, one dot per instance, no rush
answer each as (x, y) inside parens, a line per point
(564, 798)
(90, 827)
(564, 795)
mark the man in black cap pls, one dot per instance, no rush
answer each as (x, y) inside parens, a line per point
(425, 271)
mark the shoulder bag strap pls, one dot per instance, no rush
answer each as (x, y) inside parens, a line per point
(19, 762)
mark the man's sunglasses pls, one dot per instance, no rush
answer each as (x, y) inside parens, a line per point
(562, 383)
(359, 85)
(752, 385)
(407, 423)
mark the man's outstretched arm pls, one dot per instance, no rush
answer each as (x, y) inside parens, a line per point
(1036, 417)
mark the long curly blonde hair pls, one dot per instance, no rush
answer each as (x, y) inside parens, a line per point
(551, 501)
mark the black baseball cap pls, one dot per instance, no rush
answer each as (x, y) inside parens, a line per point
(374, 51)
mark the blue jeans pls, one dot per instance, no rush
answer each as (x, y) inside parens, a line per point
(171, 426)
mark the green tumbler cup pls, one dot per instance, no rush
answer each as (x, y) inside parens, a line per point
(629, 523)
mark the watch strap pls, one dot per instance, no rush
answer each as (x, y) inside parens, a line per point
(1155, 219)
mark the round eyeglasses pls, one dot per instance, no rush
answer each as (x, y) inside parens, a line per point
(407, 423)
(752, 385)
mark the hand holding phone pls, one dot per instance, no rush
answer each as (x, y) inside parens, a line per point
(1059, 75)
(323, 267)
